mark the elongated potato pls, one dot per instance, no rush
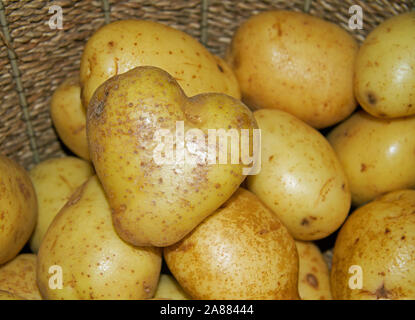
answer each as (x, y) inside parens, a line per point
(301, 179)
(69, 117)
(385, 69)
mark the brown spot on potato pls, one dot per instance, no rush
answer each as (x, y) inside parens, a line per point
(363, 167)
(312, 280)
(220, 68)
(111, 44)
(271, 158)
(387, 230)
(305, 222)
(381, 292)
(371, 98)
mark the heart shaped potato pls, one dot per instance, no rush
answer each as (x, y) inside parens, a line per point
(158, 204)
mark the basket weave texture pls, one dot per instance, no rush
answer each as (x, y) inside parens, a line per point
(35, 59)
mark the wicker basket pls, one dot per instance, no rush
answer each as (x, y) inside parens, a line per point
(34, 59)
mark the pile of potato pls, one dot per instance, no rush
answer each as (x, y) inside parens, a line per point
(100, 224)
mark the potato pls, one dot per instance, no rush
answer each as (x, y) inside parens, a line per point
(18, 208)
(4, 295)
(55, 180)
(301, 180)
(158, 201)
(168, 288)
(376, 246)
(18, 277)
(314, 278)
(123, 45)
(377, 155)
(385, 69)
(295, 62)
(242, 251)
(83, 248)
(69, 117)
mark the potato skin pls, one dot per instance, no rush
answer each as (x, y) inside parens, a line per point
(380, 238)
(69, 116)
(301, 180)
(159, 204)
(95, 262)
(314, 277)
(55, 180)
(385, 69)
(169, 289)
(123, 45)
(18, 208)
(5, 295)
(242, 251)
(297, 63)
(18, 277)
(377, 155)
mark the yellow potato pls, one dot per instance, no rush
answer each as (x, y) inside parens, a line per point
(297, 63)
(18, 277)
(4, 295)
(69, 117)
(55, 180)
(242, 251)
(155, 202)
(123, 45)
(314, 278)
(301, 180)
(385, 69)
(168, 288)
(18, 208)
(82, 249)
(377, 155)
(374, 254)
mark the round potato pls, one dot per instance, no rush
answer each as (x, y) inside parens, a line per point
(83, 255)
(168, 288)
(55, 180)
(385, 69)
(18, 277)
(314, 277)
(297, 63)
(4, 295)
(123, 45)
(18, 208)
(242, 251)
(377, 155)
(69, 117)
(374, 254)
(301, 180)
